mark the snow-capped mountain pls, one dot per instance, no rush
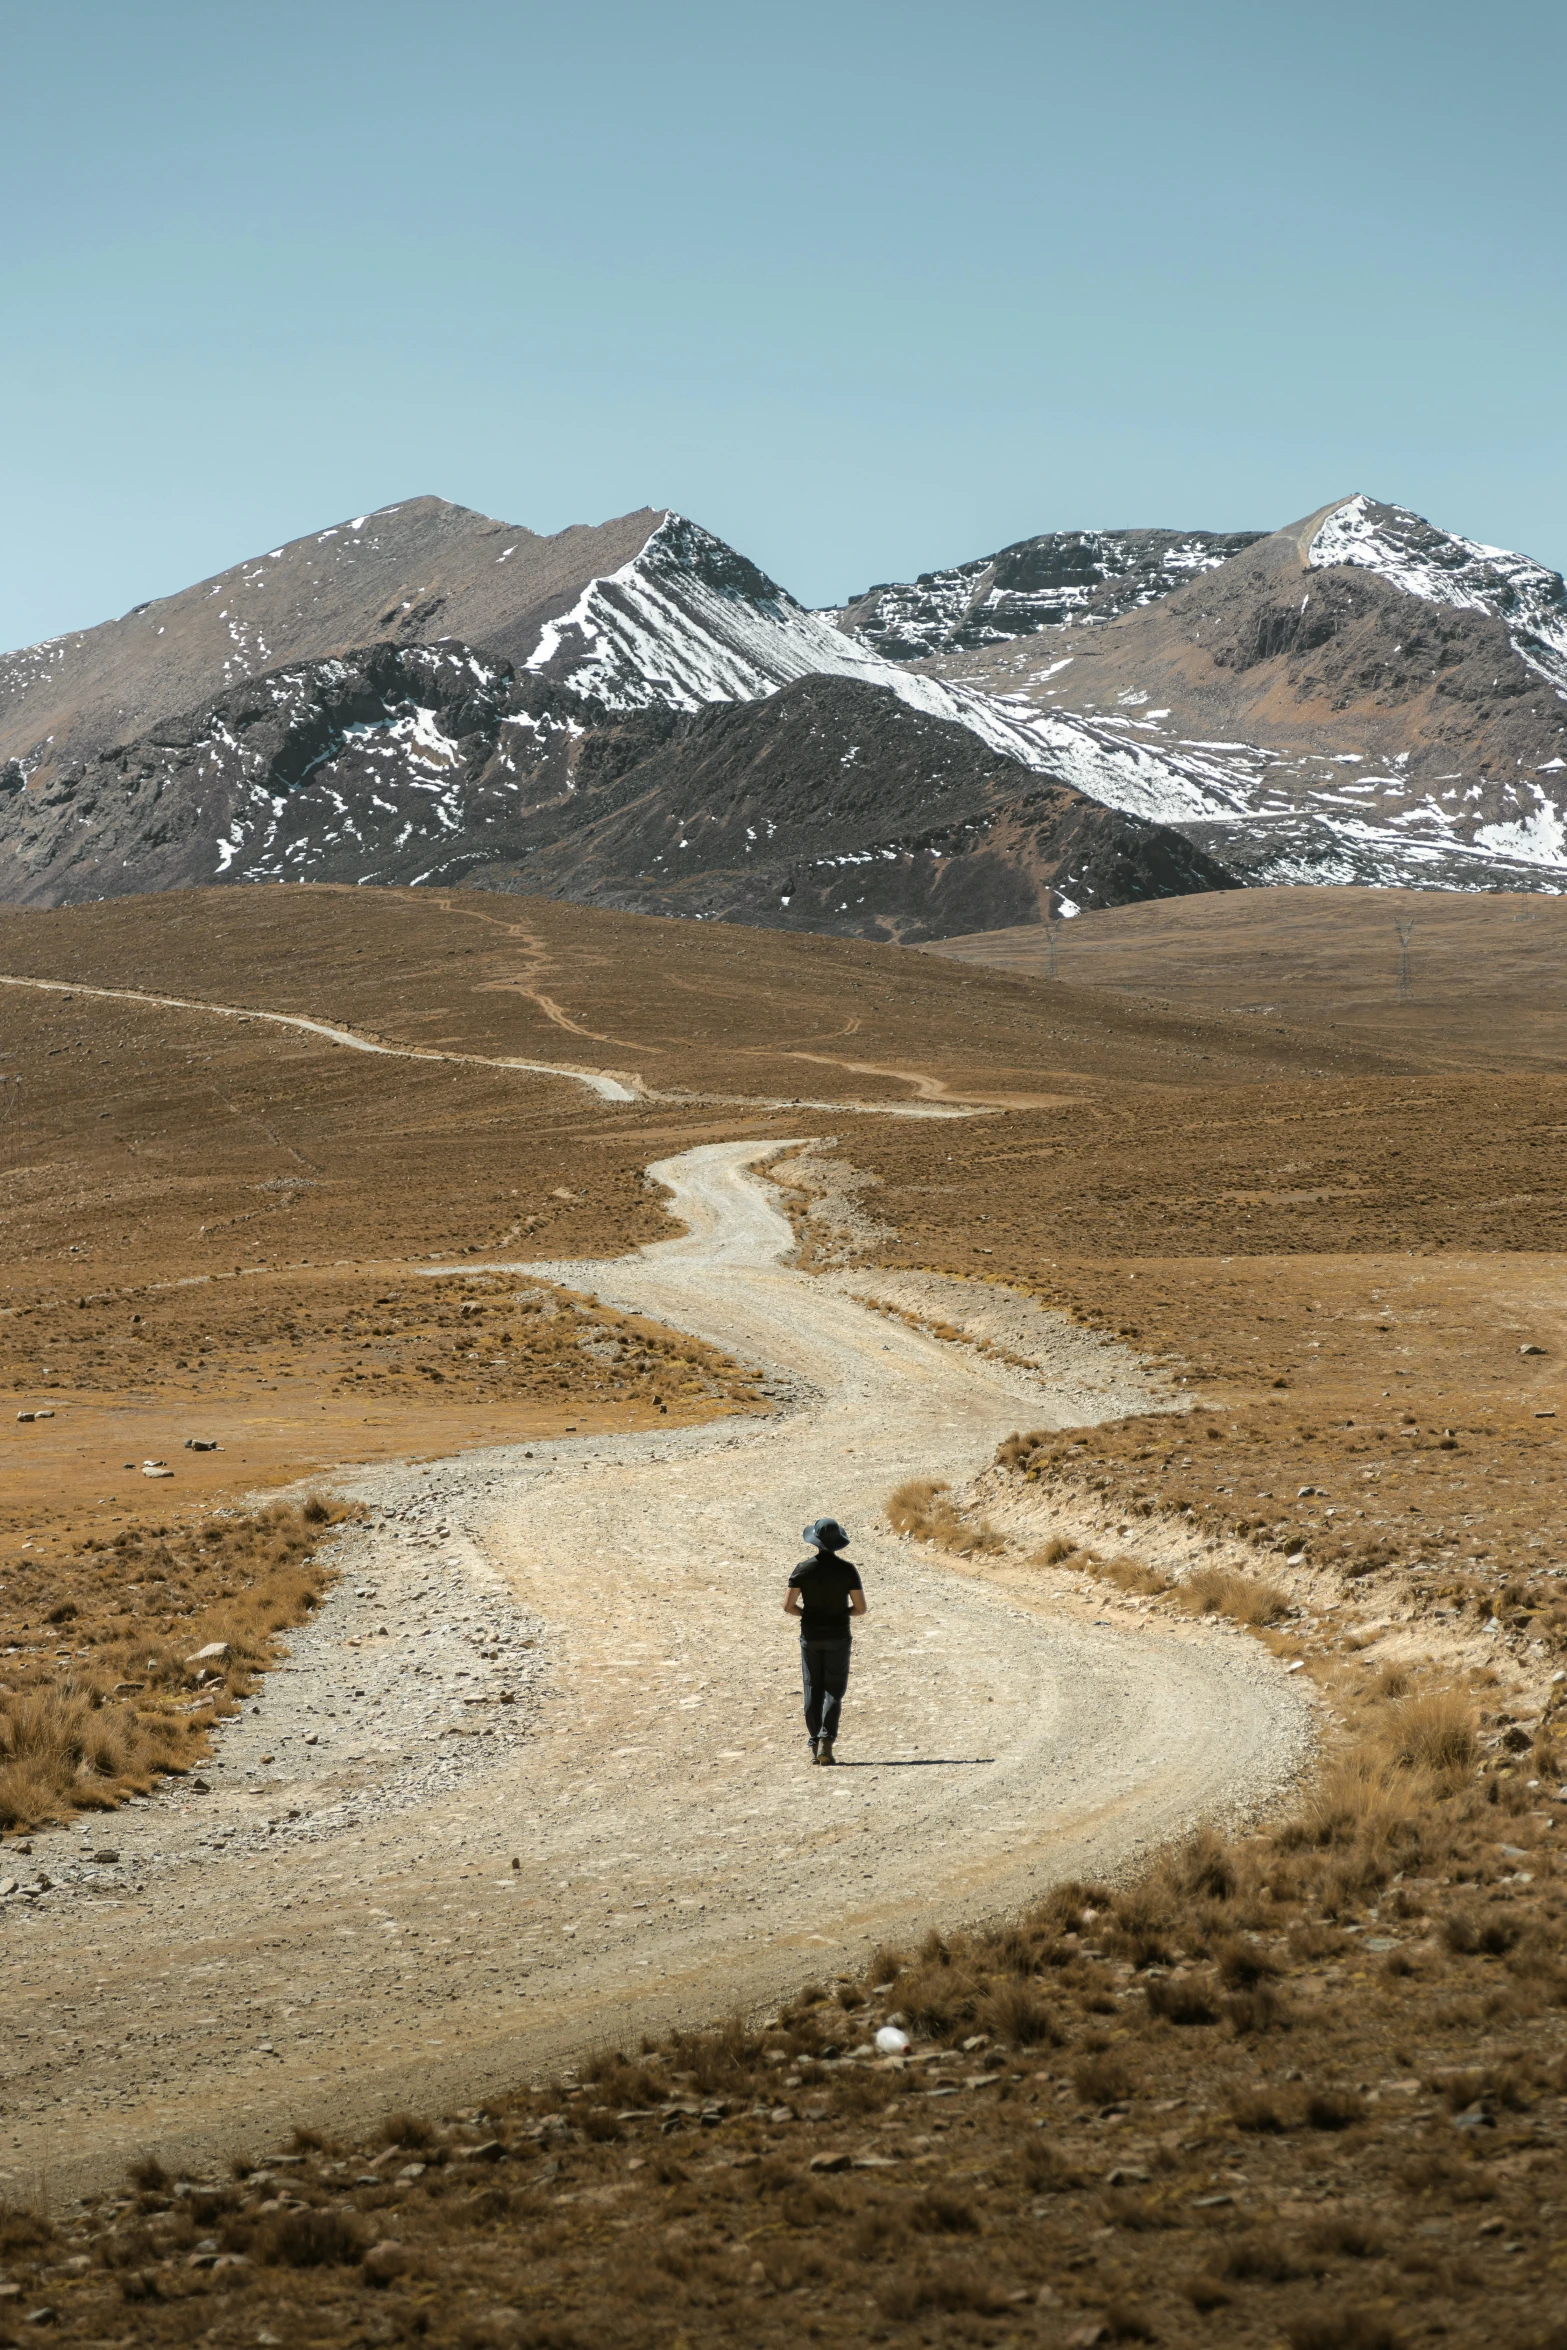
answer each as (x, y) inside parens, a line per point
(1413, 556)
(425, 691)
(1059, 579)
(1360, 697)
(590, 758)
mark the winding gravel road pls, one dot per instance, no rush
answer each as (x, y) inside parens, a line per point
(573, 1658)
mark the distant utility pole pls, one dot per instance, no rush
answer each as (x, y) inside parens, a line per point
(1052, 926)
(1403, 929)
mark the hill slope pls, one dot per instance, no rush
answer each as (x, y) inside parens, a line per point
(829, 806)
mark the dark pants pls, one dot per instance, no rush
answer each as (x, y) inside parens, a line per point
(824, 1668)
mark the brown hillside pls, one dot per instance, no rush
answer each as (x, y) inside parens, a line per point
(1487, 975)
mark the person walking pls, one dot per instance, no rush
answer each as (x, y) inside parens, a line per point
(824, 1592)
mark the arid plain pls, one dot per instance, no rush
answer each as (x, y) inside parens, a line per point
(1294, 2076)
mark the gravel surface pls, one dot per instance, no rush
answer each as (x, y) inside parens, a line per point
(638, 1838)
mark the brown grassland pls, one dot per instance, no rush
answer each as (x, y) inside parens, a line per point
(1305, 2083)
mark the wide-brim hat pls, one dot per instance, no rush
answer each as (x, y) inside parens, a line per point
(827, 1534)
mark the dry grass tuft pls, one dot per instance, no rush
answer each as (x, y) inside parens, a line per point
(1435, 1732)
(1052, 1552)
(1256, 2110)
(1102, 2080)
(1342, 2329)
(1129, 1574)
(22, 2230)
(407, 2129)
(87, 1734)
(1334, 2109)
(1217, 1591)
(920, 1509)
(1184, 1999)
(312, 2239)
(1020, 2016)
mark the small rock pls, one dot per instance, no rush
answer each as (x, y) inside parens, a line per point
(312, 1738)
(1128, 2175)
(7, 1885)
(216, 1652)
(202, 1444)
(1210, 2202)
(106, 1859)
(1296, 1665)
(1085, 2337)
(831, 2162)
(155, 1469)
(412, 2171)
(42, 2317)
(1523, 1350)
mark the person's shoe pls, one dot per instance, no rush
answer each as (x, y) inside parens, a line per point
(815, 1742)
(824, 1752)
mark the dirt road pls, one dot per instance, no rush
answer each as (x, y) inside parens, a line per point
(239, 1968)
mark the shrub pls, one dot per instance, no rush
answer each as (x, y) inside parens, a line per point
(950, 2289)
(1335, 2109)
(1242, 1964)
(1258, 2010)
(1347, 2235)
(1434, 1733)
(1341, 2329)
(311, 2239)
(943, 2215)
(1018, 2014)
(1102, 2080)
(1183, 1999)
(1260, 2259)
(1467, 1934)
(406, 2129)
(1202, 1867)
(22, 2230)
(1254, 2109)
(1205, 2293)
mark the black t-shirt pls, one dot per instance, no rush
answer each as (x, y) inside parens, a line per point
(825, 1581)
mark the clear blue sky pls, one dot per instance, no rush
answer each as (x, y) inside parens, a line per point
(865, 285)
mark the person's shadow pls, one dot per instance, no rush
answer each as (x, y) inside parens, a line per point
(921, 1762)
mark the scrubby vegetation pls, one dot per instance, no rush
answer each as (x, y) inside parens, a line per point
(120, 1689)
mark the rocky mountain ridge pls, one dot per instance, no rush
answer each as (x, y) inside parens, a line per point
(339, 721)
(1058, 579)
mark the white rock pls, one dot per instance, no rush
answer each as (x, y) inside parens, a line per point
(891, 2042)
